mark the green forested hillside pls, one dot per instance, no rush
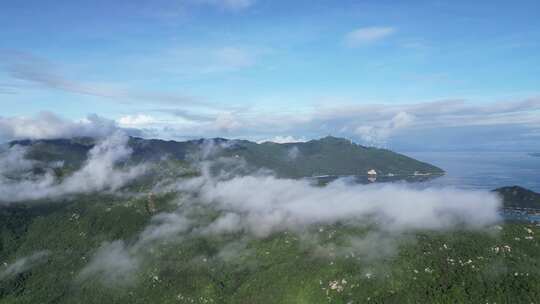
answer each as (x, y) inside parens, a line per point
(327, 156)
(516, 196)
(498, 264)
(175, 233)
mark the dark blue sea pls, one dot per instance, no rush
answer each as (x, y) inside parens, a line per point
(483, 170)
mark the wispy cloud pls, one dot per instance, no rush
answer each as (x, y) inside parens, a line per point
(136, 121)
(200, 61)
(24, 66)
(234, 57)
(234, 5)
(98, 173)
(284, 139)
(367, 35)
(23, 264)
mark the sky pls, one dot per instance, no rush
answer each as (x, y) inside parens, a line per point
(405, 75)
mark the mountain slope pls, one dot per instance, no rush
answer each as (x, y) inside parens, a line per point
(516, 196)
(438, 266)
(326, 156)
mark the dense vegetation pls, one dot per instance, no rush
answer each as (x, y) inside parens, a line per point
(498, 264)
(47, 245)
(520, 197)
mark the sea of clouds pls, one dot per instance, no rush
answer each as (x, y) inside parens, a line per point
(254, 205)
(259, 204)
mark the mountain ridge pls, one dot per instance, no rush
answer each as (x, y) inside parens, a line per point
(326, 156)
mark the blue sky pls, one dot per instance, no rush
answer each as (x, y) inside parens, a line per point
(379, 72)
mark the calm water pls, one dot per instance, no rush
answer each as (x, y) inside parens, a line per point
(483, 170)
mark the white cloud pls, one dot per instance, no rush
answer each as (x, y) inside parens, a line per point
(27, 67)
(99, 173)
(293, 153)
(284, 139)
(266, 204)
(234, 5)
(379, 133)
(136, 121)
(112, 263)
(372, 124)
(195, 62)
(367, 35)
(116, 262)
(13, 161)
(226, 122)
(234, 58)
(23, 264)
(46, 125)
(163, 226)
(257, 206)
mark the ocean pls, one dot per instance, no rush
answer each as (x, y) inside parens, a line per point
(483, 170)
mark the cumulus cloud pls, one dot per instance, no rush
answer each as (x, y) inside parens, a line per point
(23, 264)
(395, 125)
(100, 172)
(227, 122)
(367, 35)
(136, 121)
(378, 134)
(46, 125)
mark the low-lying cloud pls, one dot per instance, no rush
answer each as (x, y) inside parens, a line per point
(112, 263)
(13, 161)
(23, 264)
(100, 172)
(265, 204)
(260, 205)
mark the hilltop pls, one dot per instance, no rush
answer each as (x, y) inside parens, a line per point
(325, 156)
(516, 196)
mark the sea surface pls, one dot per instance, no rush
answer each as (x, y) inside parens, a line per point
(483, 170)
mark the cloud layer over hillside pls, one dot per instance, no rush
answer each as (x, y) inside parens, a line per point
(99, 173)
(259, 205)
